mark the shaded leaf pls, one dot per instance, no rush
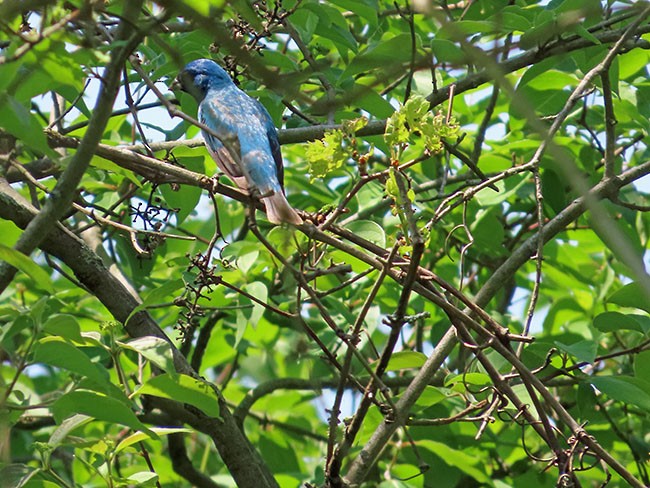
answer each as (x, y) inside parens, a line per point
(468, 464)
(631, 295)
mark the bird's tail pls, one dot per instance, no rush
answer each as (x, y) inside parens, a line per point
(279, 211)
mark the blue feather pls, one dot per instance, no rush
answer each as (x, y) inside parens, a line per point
(246, 147)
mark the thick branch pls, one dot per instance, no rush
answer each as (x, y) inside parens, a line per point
(64, 191)
(369, 454)
(242, 460)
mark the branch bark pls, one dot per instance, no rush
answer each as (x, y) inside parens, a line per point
(64, 192)
(243, 462)
(363, 462)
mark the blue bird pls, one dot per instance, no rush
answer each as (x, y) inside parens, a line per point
(247, 148)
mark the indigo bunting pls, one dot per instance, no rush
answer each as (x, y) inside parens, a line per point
(247, 149)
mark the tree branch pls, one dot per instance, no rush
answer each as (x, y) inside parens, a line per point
(64, 192)
(240, 457)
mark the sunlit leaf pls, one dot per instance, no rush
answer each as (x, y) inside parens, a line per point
(626, 389)
(26, 265)
(63, 354)
(185, 389)
(97, 406)
(155, 349)
(369, 230)
(406, 360)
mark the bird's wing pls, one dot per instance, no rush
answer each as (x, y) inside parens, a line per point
(272, 135)
(225, 150)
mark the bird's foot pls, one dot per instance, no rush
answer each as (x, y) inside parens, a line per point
(215, 183)
(210, 184)
(255, 193)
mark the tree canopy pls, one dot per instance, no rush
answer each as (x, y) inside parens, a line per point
(466, 303)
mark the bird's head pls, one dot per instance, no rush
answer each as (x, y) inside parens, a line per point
(199, 76)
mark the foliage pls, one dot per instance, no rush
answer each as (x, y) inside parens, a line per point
(415, 118)
(465, 305)
(336, 148)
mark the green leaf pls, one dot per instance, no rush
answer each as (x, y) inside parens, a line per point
(247, 260)
(243, 253)
(11, 329)
(544, 30)
(362, 9)
(415, 118)
(389, 53)
(369, 230)
(158, 295)
(39, 278)
(97, 406)
(626, 389)
(583, 351)
(279, 453)
(58, 352)
(7, 73)
(331, 25)
(258, 290)
(553, 189)
(632, 62)
(351, 126)
(586, 400)
(327, 154)
(488, 232)
(183, 199)
(614, 321)
(406, 360)
(466, 463)
(143, 478)
(203, 7)
(369, 100)
(487, 197)
(305, 22)
(512, 18)
(610, 231)
(155, 349)
(283, 239)
(476, 379)
(460, 29)
(642, 365)
(585, 34)
(66, 427)
(21, 123)
(447, 52)
(141, 436)
(185, 389)
(17, 475)
(631, 295)
(524, 395)
(64, 325)
(552, 79)
(430, 396)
